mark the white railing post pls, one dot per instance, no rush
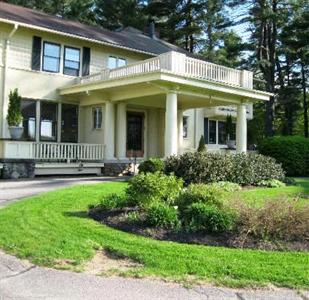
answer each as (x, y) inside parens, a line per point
(173, 61)
(246, 79)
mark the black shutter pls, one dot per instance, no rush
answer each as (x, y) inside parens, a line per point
(206, 130)
(86, 61)
(36, 53)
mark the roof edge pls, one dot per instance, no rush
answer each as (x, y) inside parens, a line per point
(22, 24)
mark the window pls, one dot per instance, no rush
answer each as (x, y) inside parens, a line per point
(115, 62)
(222, 132)
(71, 62)
(185, 127)
(48, 122)
(97, 117)
(212, 137)
(51, 57)
(28, 110)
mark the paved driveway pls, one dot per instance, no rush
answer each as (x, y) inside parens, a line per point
(12, 190)
(23, 281)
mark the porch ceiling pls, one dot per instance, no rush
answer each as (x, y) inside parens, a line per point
(150, 90)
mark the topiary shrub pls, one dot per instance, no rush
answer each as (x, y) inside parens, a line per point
(161, 215)
(14, 116)
(199, 193)
(151, 165)
(291, 151)
(145, 188)
(210, 218)
(204, 167)
(201, 145)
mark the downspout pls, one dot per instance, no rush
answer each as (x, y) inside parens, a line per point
(5, 70)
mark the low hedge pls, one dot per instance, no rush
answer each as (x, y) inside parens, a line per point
(291, 151)
(205, 167)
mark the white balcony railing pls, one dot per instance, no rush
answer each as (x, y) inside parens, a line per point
(51, 151)
(178, 64)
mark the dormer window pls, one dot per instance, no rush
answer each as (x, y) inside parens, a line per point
(116, 62)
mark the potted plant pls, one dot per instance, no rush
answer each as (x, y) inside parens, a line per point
(14, 116)
(231, 144)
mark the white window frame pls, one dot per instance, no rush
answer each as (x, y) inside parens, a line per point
(117, 61)
(183, 127)
(98, 123)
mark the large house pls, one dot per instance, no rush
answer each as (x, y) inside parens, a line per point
(94, 98)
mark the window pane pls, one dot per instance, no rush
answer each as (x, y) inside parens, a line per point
(28, 109)
(72, 54)
(71, 61)
(97, 117)
(212, 132)
(69, 123)
(51, 50)
(51, 64)
(112, 62)
(222, 132)
(121, 62)
(48, 126)
(233, 135)
(185, 127)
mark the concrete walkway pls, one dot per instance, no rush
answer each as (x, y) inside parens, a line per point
(20, 280)
(13, 190)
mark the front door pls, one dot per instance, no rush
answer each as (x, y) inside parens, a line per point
(135, 134)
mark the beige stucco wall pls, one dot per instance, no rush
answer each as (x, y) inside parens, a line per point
(39, 84)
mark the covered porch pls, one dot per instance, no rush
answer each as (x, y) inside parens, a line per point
(144, 103)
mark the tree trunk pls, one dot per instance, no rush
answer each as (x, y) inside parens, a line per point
(305, 103)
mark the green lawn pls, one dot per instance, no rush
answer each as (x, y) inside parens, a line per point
(55, 226)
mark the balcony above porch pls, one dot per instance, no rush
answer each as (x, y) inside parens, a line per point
(192, 78)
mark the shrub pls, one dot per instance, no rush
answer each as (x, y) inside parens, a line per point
(291, 151)
(161, 215)
(226, 186)
(277, 218)
(205, 217)
(201, 145)
(133, 217)
(14, 116)
(112, 201)
(143, 189)
(199, 193)
(151, 165)
(271, 183)
(204, 167)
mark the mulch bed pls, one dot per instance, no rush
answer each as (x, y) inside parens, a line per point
(117, 219)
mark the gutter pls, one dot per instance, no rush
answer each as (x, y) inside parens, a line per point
(5, 63)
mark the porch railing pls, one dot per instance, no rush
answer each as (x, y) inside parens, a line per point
(67, 151)
(179, 64)
(47, 151)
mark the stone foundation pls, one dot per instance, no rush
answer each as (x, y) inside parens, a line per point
(17, 168)
(117, 169)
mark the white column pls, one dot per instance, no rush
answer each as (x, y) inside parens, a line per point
(109, 130)
(199, 125)
(153, 133)
(37, 120)
(171, 132)
(121, 135)
(59, 122)
(241, 129)
(180, 131)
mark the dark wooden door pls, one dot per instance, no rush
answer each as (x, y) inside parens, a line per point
(135, 134)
